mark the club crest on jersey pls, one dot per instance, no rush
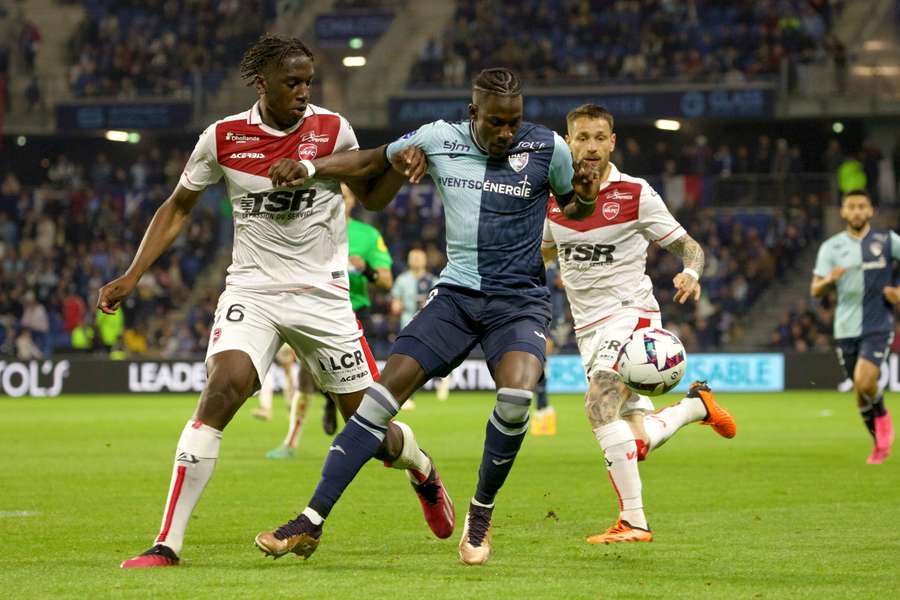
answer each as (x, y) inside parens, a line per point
(875, 248)
(307, 151)
(315, 138)
(610, 210)
(217, 333)
(518, 161)
(620, 196)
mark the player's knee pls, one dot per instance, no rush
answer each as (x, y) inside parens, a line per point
(602, 401)
(513, 404)
(866, 385)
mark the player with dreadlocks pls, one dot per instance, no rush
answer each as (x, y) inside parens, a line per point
(288, 280)
(494, 173)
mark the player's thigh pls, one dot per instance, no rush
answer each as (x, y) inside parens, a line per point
(515, 339)
(600, 346)
(439, 337)
(323, 331)
(873, 351)
(243, 323)
(847, 351)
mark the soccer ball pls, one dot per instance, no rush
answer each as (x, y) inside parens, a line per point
(651, 361)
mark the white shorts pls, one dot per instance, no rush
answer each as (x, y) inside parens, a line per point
(599, 348)
(318, 324)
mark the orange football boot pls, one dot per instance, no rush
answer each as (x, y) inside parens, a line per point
(716, 417)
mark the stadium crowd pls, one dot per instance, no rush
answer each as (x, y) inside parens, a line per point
(585, 41)
(62, 238)
(128, 48)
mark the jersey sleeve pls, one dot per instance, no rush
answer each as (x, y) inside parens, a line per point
(202, 168)
(425, 137)
(895, 246)
(823, 260)
(547, 241)
(378, 255)
(400, 289)
(561, 169)
(346, 137)
(655, 221)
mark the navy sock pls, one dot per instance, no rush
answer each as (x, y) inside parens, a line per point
(878, 406)
(357, 442)
(868, 417)
(541, 392)
(503, 437)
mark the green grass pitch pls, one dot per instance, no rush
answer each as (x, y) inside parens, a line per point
(787, 509)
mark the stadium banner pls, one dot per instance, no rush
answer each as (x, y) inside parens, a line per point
(123, 115)
(751, 102)
(90, 375)
(335, 29)
(724, 372)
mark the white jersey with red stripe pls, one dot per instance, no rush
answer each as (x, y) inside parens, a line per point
(284, 238)
(603, 258)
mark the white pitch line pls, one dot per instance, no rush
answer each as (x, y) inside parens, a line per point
(11, 514)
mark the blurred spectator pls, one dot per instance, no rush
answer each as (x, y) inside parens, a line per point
(126, 48)
(576, 41)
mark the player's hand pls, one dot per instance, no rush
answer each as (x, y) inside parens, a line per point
(892, 294)
(287, 173)
(686, 287)
(113, 293)
(358, 263)
(836, 273)
(412, 162)
(586, 180)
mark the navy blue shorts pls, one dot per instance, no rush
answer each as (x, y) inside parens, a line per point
(874, 347)
(455, 319)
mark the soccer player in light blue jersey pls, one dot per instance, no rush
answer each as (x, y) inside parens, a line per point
(858, 263)
(494, 173)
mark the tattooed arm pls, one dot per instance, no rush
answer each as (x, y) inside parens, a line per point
(686, 285)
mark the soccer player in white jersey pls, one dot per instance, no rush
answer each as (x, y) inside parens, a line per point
(287, 281)
(603, 264)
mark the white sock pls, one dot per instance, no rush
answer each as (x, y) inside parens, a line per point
(266, 392)
(481, 504)
(617, 441)
(442, 388)
(195, 459)
(299, 404)
(411, 457)
(663, 425)
(314, 517)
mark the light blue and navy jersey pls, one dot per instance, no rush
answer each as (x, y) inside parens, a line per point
(861, 307)
(494, 207)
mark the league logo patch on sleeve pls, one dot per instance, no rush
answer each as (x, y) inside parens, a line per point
(518, 161)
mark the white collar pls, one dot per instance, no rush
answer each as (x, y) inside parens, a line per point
(615, 176)
(255, 118)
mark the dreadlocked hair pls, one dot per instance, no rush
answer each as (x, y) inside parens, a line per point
(270, 50)
(498, 81)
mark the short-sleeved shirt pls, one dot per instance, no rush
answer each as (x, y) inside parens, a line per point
(412, 292)
(603, 258)
(366, 243)
(861, 306)
(494, 207)
(285, 238)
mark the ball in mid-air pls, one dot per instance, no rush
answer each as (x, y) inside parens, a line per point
(652, 361)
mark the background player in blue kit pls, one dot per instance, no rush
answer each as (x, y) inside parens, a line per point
(494, 173)
(858, 262)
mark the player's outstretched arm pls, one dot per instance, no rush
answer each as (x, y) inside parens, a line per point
(821, 285)
(165, 226)
(410, 164)
(687, 283)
